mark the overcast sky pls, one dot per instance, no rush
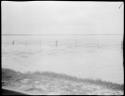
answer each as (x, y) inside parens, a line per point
(62, 17)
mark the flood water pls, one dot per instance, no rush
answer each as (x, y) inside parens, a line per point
(97, 57)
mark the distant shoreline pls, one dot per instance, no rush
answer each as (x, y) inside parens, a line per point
(61, 34)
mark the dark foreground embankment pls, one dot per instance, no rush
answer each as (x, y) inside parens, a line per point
(10, 92)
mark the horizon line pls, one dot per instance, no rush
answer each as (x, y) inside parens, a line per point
(52, 34)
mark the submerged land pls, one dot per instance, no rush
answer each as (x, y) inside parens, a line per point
(83, 65)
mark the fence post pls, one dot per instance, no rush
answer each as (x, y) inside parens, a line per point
(56, 43)
(75, 43)
(13, 42)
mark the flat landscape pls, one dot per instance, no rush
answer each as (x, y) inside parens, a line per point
(62, 66)
(62, 48)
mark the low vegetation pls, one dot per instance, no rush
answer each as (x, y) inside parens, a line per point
(49, 81)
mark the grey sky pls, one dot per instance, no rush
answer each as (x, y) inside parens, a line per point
(62, 17)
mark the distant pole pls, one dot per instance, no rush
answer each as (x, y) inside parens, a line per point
(56, 43)
(13, 42)
(75, 43)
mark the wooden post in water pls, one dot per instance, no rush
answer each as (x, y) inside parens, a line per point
(13, 42)
(56, 43)
(75, 43)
